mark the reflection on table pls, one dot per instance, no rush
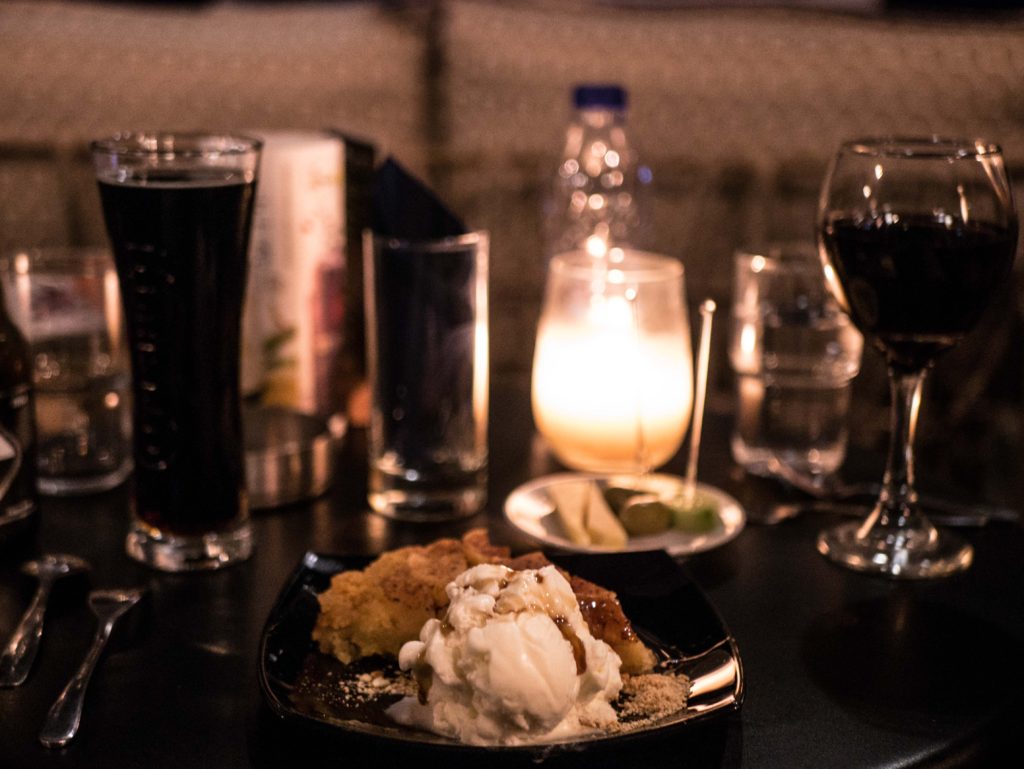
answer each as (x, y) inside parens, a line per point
(841, 669)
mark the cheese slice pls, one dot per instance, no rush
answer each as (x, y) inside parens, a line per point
(601, 523)
(570, 500)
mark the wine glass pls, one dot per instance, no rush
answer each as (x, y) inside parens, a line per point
(612, 371)
(915, 236)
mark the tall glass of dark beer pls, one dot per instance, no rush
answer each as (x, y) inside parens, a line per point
(178, 210)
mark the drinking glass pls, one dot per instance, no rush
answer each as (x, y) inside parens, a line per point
(427, 345)
(612, 372)
(178, 210)
(795, 354)
(66, 300)
(915, 236)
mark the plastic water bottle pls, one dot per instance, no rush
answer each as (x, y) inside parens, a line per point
(597, 200)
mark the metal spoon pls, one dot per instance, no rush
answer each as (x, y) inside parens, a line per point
(66, 713)
(20, 651)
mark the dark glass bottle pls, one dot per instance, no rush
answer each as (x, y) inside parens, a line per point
(17, 429)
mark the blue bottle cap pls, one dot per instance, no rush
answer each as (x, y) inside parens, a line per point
(599, 96)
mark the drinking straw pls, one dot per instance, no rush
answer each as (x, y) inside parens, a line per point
(707, 311)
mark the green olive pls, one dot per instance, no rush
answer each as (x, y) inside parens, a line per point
(699, 518)
(618, 497)
(646, 516)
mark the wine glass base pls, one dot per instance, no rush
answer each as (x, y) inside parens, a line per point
(892, 553)
(176, 553)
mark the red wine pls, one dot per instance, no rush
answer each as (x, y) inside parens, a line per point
(915, 286)
(180, 242)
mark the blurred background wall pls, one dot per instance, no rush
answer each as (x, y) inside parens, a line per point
(736, 107)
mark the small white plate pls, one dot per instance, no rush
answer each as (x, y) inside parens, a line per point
(530, 509)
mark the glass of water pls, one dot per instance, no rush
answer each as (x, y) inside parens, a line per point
(66, 302)
(427, 342)
(794, 354)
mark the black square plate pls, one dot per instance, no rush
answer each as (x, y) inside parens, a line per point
(670, 613)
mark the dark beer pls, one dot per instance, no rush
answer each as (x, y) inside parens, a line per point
(180, 240)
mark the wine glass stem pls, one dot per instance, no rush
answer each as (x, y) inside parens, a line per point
(897, 503)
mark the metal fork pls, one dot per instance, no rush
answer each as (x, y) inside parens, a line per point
(62, 721)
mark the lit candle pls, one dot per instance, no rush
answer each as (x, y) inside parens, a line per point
(612, 377)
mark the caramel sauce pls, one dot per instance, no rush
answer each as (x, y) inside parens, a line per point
(424, 676)
(605, 614)
(578, 652)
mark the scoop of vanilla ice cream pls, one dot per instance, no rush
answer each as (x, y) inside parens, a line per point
(512, 661)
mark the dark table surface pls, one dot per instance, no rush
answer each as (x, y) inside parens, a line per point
(841, 670)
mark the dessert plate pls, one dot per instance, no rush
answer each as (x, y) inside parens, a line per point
(322, 697)
(530, 509)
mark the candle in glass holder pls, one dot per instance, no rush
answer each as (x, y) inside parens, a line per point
(612, 372)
